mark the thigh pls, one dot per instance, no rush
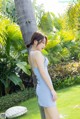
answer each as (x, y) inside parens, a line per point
(52, 112)
(42, 112)
(46, 114)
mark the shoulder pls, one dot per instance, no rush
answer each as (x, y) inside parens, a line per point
(35, 53)
(38, 55)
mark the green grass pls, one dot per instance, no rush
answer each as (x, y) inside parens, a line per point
(68, 104)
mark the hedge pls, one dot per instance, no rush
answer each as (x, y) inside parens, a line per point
(13, 99)
(65, 74)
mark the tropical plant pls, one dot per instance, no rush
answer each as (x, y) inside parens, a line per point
(73, 16)
(13, 55)
(39, 11)
(47, 26)
(7, 8)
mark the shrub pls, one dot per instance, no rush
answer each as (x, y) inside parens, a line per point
(64, 70)
(64, 75)
(13, 99)
(66, 82)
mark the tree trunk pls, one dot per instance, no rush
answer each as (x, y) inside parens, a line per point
(26, 19)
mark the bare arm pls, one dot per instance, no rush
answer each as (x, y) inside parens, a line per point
(40, 64)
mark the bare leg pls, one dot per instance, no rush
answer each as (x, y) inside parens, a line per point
(51, 113)
(46, 114)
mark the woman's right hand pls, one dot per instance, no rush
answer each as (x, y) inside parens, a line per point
(54, 95)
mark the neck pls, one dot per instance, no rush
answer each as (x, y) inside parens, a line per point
(33, 48)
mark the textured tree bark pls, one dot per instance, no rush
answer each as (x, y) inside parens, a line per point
(26, 19)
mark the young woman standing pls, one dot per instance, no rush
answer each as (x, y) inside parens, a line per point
(45, 91)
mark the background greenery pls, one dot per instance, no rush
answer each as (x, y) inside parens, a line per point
(63, 49)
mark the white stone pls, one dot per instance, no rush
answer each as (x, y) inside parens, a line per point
(15, 111)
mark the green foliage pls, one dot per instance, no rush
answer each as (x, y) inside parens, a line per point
(24, 66)
(60, 46)
(67, 35)
(64, 75)
(15, 79)
(53, 43)
(66, 82)
(12, 52)
(8, 9)
(59, 22)
(39, 11)
(64, 69)
(66, 38)
(74, 16)
(15, 98)
(0, 5)
(47, 26)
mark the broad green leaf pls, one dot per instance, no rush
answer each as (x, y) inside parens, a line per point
(24, 66)
(15, 79)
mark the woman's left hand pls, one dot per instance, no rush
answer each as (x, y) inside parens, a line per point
(54, 95)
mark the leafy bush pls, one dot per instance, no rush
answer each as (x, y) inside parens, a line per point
(66, 82)
(64, 70)
(13, 56)
(64, 75)
(13, 99)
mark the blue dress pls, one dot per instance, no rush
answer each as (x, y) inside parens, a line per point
(42, 90)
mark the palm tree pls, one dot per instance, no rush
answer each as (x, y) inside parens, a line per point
(26, 19)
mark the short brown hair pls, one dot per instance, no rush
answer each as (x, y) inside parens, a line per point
(38, 37)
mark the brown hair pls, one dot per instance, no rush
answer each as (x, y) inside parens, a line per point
(38, 37)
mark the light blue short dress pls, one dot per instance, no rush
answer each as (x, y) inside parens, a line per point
(42, 90)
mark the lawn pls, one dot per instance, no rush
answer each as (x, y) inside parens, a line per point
(68, 104)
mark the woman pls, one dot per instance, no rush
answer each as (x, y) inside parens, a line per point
(44, 90)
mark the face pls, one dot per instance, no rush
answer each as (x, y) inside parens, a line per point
(41, 45)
